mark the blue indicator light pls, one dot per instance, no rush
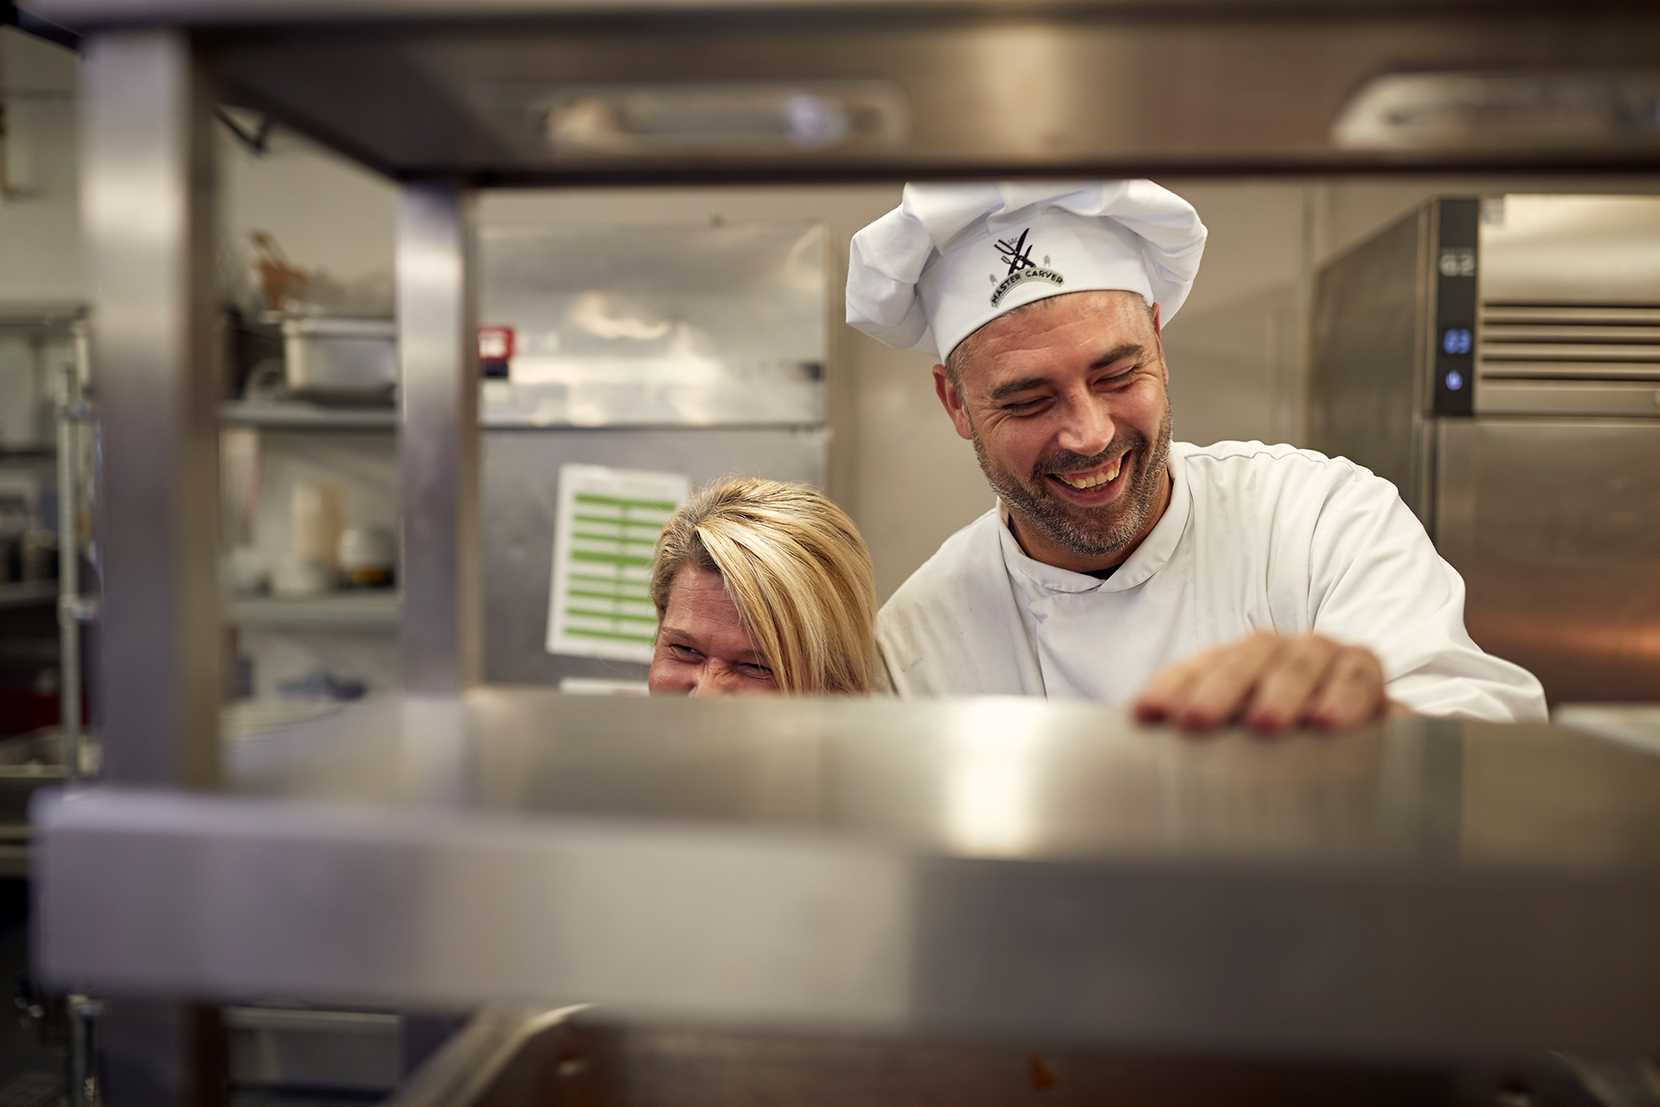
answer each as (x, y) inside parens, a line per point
(1455, 380)
(1456, 340)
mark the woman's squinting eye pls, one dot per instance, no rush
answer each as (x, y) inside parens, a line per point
(682, 652)
(751, 669)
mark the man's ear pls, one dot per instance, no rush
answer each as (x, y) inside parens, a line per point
(1158, 342)
(951, 399)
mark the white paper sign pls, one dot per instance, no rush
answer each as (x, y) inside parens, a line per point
(604, 536)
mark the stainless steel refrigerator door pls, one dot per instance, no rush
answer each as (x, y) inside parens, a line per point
(1555, 526)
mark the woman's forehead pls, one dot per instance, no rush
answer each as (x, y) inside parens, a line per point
(700, 608)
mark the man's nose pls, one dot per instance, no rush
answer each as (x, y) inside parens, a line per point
(1087, 428)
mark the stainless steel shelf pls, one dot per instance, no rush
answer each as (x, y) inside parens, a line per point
(298, 416)
(337, 610)
(522, 91)
(44, 316)
(1014, 869)
(47, 452)
(34, 594)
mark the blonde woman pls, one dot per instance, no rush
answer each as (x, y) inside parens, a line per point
(763, 586)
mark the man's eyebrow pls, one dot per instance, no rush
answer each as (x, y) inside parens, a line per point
(1116, 354)
(1024, 384)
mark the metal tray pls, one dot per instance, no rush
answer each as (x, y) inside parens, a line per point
(341, 360)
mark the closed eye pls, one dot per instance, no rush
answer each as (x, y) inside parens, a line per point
(755, 669)
(1117, 380)
(1026, 407)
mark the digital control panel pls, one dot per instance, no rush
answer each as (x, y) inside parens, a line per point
(1456, 262)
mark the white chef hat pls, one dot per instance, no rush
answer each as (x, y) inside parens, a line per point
(951, 258)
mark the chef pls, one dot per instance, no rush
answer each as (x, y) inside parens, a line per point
(1203, 585)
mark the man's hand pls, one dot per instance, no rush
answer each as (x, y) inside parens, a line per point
(1269, 682)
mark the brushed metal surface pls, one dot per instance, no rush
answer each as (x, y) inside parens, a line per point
(658, 326)
(1368, 396)
(509, 1056)
(148, 205)
(1570, 290)
(1555, 526)
(1633, 399)
(439, 634)
(1008, 868)
(313, 1052)
(984, 89)
(1595, 251)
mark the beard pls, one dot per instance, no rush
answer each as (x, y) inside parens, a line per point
(1104, 531)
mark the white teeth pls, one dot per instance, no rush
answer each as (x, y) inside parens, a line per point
(1105, 476)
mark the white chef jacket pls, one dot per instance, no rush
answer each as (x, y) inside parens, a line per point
(1255, 538)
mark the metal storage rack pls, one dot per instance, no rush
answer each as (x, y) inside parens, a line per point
(848, 889)
(65, 322)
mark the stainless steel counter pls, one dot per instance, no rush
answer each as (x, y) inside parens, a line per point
(995, 867)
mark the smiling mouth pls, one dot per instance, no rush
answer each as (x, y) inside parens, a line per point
(1095, 483)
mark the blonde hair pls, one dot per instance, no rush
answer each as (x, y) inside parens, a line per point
(797, 570)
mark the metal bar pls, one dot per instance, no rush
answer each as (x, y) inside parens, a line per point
(69, 555)
(148, 208)
(438, 456)
(148, 201)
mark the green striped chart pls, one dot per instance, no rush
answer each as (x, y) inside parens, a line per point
(605, 534)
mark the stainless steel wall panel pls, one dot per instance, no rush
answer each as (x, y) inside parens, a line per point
(658, 326)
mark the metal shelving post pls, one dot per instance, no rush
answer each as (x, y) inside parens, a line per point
(148, 205)
(438, 440)
(72, 609)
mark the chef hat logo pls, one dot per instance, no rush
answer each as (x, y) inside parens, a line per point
(1016, 253)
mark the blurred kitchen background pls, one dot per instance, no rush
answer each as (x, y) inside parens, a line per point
(746, 279)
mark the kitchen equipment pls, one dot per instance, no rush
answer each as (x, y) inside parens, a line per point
(1498, 359)
(318, 517)
(345, 361)
(296, 577)
(695, 349)
(246, 571)
(368, 556)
